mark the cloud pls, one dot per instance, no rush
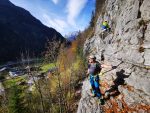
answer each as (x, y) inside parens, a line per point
(55, 1)
(74, 7)
(58, 24)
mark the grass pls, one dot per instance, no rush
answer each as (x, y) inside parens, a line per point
(46, 67)
(10, 82)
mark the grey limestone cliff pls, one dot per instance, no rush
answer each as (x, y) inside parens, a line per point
(127, 46)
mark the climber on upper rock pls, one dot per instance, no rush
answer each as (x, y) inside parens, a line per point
(105, 26)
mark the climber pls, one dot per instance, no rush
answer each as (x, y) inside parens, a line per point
(105, 26)
(94, 68)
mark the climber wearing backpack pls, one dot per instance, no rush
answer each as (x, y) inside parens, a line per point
(105, 26)
(94, 68)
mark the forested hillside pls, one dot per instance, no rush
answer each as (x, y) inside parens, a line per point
(21, 33)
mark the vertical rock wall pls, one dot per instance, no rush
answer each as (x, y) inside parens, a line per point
(127, 46)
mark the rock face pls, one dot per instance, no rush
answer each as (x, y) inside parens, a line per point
(21, 32)
(127, 46)
(87, 103)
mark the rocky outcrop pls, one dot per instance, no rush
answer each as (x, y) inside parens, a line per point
(88, 104)
(127, 46)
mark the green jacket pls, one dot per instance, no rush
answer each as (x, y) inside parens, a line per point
(105, 24)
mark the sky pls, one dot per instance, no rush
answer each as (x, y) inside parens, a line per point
(65, 16)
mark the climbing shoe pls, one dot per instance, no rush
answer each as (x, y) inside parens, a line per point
(93, 95)
(101, 101)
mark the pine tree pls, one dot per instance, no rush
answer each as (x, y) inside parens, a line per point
(92, 19)
(16, 100)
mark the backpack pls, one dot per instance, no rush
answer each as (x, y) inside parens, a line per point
(98, 67)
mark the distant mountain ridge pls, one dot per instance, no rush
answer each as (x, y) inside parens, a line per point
(20, 32)
(72, 36)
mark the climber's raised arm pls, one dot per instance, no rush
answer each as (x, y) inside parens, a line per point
(106, 66)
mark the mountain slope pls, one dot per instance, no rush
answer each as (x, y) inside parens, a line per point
(20, 32)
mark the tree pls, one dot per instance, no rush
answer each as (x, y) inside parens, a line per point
(16, 100)
(92, 19)
(52, 50)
